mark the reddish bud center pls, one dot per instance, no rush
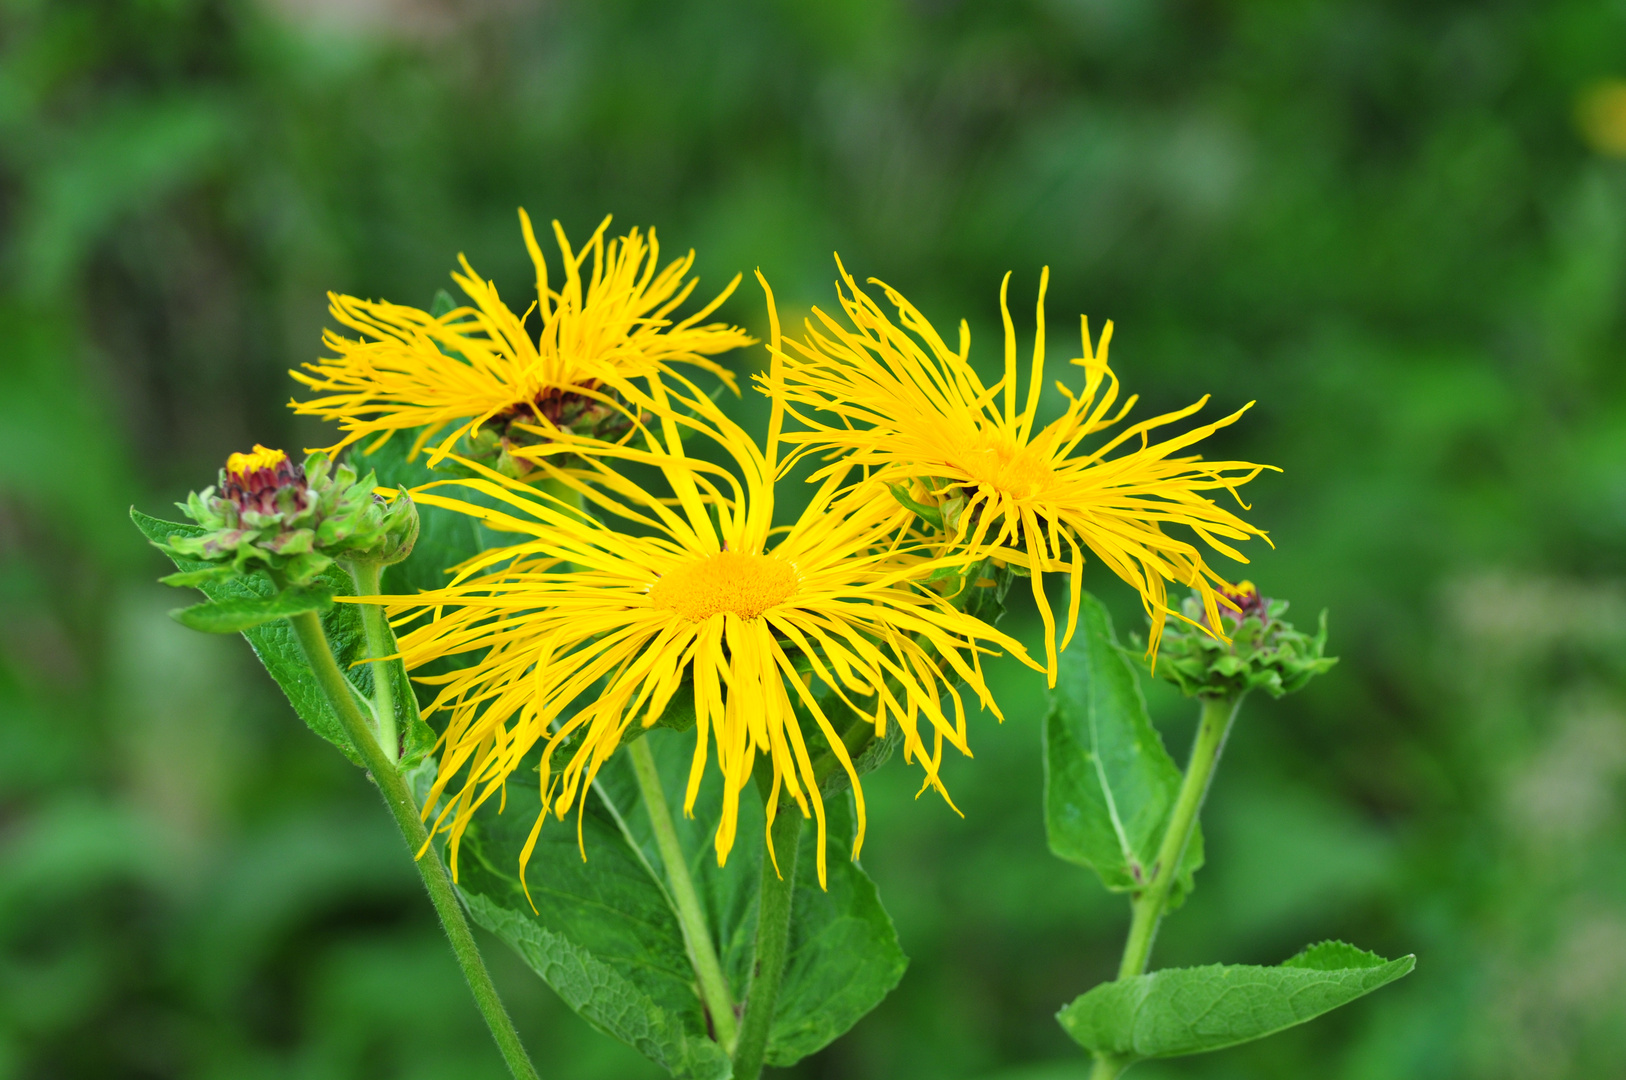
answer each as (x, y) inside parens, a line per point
(252, 480)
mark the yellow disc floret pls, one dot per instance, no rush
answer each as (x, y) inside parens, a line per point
(730, 581)
(239, 466)
(998, 463)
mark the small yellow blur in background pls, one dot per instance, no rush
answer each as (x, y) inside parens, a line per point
(1600, 112)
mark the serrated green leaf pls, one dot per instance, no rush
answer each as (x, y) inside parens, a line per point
(277, 648)
(1182, 1011)
(234, 615)
(603, 934)
(1333, 956)
(1109, 782)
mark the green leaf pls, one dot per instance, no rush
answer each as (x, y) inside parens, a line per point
(193, 579)
(931, 515)
(240, 613)
(277, 648)
(603, 934)
(1109, 783)
(1191, 1010)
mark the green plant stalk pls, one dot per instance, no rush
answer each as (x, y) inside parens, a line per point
(1109, 1068)
(702, 953)
(375, 624)
(308, 629)
(1149, 905)
(772, 945)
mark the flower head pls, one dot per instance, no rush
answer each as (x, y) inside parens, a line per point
(1254, 648)
(449, 374)
(270, 513)
(1241, 601)
(589, 633)
(914, 414)
(257, 480)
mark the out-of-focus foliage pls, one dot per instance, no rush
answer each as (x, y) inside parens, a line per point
(1383, 220)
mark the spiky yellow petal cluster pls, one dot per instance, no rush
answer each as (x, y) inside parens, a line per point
(911, 411)
(604, 329)
(585, 631)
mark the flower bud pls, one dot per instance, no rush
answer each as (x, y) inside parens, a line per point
(536, 423)
(1264, 652)
(269, 513)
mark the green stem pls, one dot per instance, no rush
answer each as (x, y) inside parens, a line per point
(1108, 1068)
(308, 628)
(1148, 906)
(380, 642)
(772, 944)
(702, 954)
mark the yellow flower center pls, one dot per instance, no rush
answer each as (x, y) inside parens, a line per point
(240, 465)
(1014, 470)
(730, 581)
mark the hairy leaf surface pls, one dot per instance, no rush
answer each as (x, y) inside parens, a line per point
(234, 615)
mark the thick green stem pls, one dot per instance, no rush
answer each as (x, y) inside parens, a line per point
(772, 944)
(1149, 905)
(1108, 1068)
(308, 628)
(374, 623)
(702, 954)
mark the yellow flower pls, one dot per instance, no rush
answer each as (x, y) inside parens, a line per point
(602, 329)
(913, 412)
(241, 466)
(586, 630)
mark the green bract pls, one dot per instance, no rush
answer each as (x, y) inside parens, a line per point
(296, 520)
(1265, 652)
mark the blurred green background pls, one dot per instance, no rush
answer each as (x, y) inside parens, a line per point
(1395, 224)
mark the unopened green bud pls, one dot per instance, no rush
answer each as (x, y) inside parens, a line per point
(399, 530)
(269, 513)
(1265, 651)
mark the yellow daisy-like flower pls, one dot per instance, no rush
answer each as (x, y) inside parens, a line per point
(913, 412)
(586, 630)
(602, 329)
